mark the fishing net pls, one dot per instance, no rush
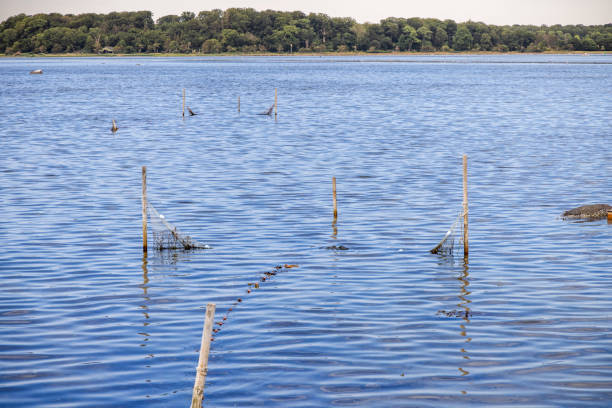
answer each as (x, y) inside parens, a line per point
(452, 238)
(166, 235)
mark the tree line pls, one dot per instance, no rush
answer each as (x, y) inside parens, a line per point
(249, 31)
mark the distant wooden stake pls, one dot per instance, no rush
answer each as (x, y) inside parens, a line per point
(465, 208)
(238, 104)
(183, 101)
(144, 209)
(335, 201)
(198, 387)
(275, 101)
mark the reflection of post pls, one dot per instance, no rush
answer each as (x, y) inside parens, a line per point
(335, 220)
(465, 305)
(145, 283)
(145, 274)
(465, 208)
(238, 104)
(144, 209)
(275, 100)
(198, 387)
(334, 197)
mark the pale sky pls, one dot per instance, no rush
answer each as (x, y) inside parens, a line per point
(499, 12)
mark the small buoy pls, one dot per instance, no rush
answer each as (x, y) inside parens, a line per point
(36, 71)
(114, 128)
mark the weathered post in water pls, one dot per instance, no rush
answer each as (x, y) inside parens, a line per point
(334, 197)
(198, 387)
(465, 209)
(238, 104)
(183, 102)
(144, 209)
(275, 101)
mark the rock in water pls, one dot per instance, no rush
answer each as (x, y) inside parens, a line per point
(591, 212)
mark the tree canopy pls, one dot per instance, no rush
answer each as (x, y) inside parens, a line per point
(249, 31)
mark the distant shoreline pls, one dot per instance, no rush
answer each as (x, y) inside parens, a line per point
(313, 54)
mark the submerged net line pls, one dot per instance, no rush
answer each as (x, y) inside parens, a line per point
(447, 244)
(166, 235)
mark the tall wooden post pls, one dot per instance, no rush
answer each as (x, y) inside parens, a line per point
(144, 209)
(275, 101)
(183, 101)
(198, 387)
(238, 104)
(334, 196)
(465, 208)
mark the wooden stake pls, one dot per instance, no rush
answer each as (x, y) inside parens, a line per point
(183, 102)
(198, 387)
(144, 209)
(465, 208)
(334, 195)
(275, 101)
(239, 104)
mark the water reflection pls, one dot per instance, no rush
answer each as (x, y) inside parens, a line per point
(465, 311)
(335, 228)
(145, 310)
(145, 275)
(145, 295)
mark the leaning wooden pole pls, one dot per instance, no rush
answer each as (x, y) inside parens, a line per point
(183, 101)
(465, 208)
(198, 387)
(335, 200)
(144, 209)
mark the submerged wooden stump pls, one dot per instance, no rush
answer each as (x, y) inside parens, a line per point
(591, 212)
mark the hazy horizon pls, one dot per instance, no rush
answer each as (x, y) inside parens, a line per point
(500, 12)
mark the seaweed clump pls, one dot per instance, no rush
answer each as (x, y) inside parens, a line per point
(589, 212)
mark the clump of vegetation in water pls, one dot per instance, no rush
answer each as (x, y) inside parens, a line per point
(589, 212)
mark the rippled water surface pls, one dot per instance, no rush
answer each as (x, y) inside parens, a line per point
(87, 320)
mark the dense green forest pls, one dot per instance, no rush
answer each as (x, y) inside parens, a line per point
(249, 31)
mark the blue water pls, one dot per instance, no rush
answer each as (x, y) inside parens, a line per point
(87, 321)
